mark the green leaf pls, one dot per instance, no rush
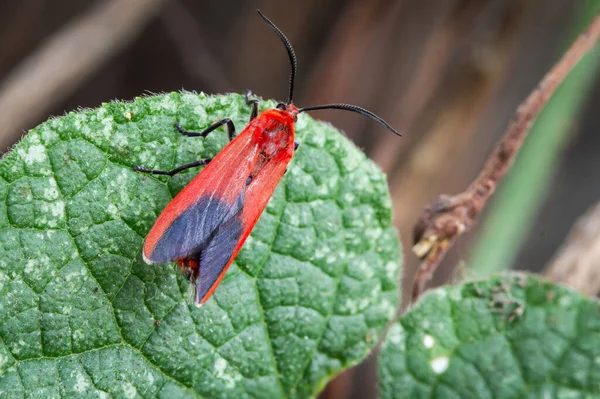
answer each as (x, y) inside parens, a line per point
(80, 312)
(505, 337)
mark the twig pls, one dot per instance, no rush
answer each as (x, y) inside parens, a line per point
(67, 59)
(576, 262)
(450, 216)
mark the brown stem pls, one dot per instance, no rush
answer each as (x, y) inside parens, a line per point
(448, 217)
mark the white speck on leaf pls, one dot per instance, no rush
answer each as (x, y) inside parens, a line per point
(56, 209)
(220, 365)
(372, 234)
(395, 334)
(120, 141)
(168, 104)
(228, 379)
(565, 300)
(390, 269)
(82, 384)
(364, 266)
(51, 193)
(30, 266)
(454, 294)
(349, 197)
(129, 390)
(440, 293)
(113, 211)
(35, 154)
(388, 308)
(439, 364)
(48, 135)
(294, 220)
(428, 341)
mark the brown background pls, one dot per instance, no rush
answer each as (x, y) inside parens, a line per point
(447, 73)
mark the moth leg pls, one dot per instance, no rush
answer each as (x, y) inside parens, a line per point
(254, 103)
(205, 132)
(173, 172)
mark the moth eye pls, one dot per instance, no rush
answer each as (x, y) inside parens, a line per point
(280, 106)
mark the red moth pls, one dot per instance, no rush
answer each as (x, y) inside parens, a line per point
(205, 225)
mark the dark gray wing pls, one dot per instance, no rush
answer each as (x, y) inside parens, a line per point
(192, 231)
(217, 254)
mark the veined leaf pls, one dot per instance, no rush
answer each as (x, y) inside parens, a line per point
(505, 337)
(80, 312)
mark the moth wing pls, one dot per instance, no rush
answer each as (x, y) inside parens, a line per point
(223, 247)
(185, 226)
(217, 256)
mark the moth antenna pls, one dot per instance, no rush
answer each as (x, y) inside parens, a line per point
(353, 108)
(290, 51)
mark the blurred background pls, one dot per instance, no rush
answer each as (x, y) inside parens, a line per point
(449, 74)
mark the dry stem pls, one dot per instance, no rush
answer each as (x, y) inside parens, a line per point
(450, 216)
